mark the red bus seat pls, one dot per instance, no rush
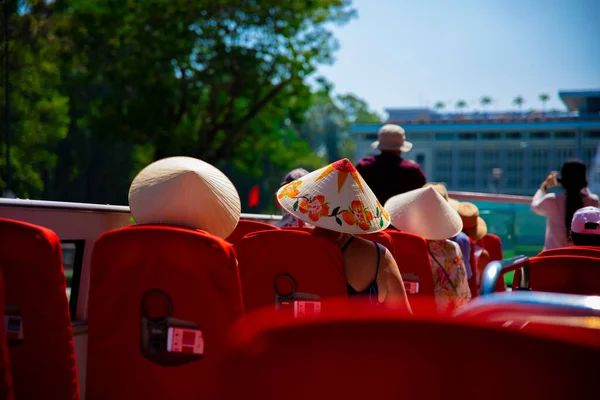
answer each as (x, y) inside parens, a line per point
(360, 354)
(315, 263)
(493, 245)
(593, 252)
(383, 239)
(196, 270)
(245, 227)
(562, 274)
(31, 264)
(412, 257)
(6, 388)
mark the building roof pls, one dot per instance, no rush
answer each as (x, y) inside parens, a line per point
(584, 101)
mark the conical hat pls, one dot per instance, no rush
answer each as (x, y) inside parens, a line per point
(187, 192)
(334, 197)
(424, 212)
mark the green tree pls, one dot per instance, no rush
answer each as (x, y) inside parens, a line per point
(461, 105)
(439, 106)
(519, 101)
(38, 108)
(544, 98)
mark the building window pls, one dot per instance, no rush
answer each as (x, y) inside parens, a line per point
(539, 166)
(514, 135)
(443, 166)
(466, 169)
(491, 136)
(514, 176)
(539, 135)
(490, 160)
(372, 136)
(592, 134)
(564, 135)
(444, 137)
(563, 155)
(588, 156)
(467, 136)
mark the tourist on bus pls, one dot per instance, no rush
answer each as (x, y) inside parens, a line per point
(426, 213)
(388, 173)
(585, 227)
(461, 238)
(560, 208)
(185, 192)
(288, 220)
(339, 203)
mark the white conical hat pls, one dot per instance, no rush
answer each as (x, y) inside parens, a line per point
(424, 212)
(335, 197)
(187, 192)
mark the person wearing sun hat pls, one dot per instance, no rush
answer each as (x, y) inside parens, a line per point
(426, 213)
(473, 225)
(389, 173)
(585, 227)
(461, 238)
(338, 203)
(186, 192)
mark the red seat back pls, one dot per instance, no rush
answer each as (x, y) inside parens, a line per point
(562, 274)
(493, 245)
(383, 239)
(315, 263)
(245, 227)
(199, 273)
(6, 388)
(412, 257)
(31, 264)
(303, 228)
(355, 355)
(593, 252)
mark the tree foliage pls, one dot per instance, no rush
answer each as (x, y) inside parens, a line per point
(100, 88)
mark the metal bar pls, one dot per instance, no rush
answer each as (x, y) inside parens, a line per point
(496, 198)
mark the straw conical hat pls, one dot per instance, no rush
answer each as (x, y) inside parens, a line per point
(334, 197)
(424, 212)
(187, 192)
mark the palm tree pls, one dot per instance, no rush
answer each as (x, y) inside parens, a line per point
(485, 101)
(544, 99)
(461, 104)
(519, 101)
(439, 106)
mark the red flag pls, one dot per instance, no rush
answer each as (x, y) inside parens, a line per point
(254, 196)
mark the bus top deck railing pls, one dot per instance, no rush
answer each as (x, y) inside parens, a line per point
(88, 207)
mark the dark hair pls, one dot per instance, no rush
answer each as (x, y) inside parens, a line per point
(584, 239)
(293, 175)
(573, 178)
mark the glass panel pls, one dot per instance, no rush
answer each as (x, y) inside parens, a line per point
(539, 135)
(521, 231)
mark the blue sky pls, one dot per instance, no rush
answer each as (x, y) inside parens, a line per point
(410, 53)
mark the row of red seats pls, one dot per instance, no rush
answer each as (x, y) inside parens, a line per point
(409, 250)
(198, 271)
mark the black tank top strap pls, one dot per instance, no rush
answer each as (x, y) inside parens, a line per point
(378, 259)
(347, 244)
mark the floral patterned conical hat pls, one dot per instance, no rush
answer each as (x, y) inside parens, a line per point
(335, 197)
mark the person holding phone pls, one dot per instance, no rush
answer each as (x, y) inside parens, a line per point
(560, 208)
